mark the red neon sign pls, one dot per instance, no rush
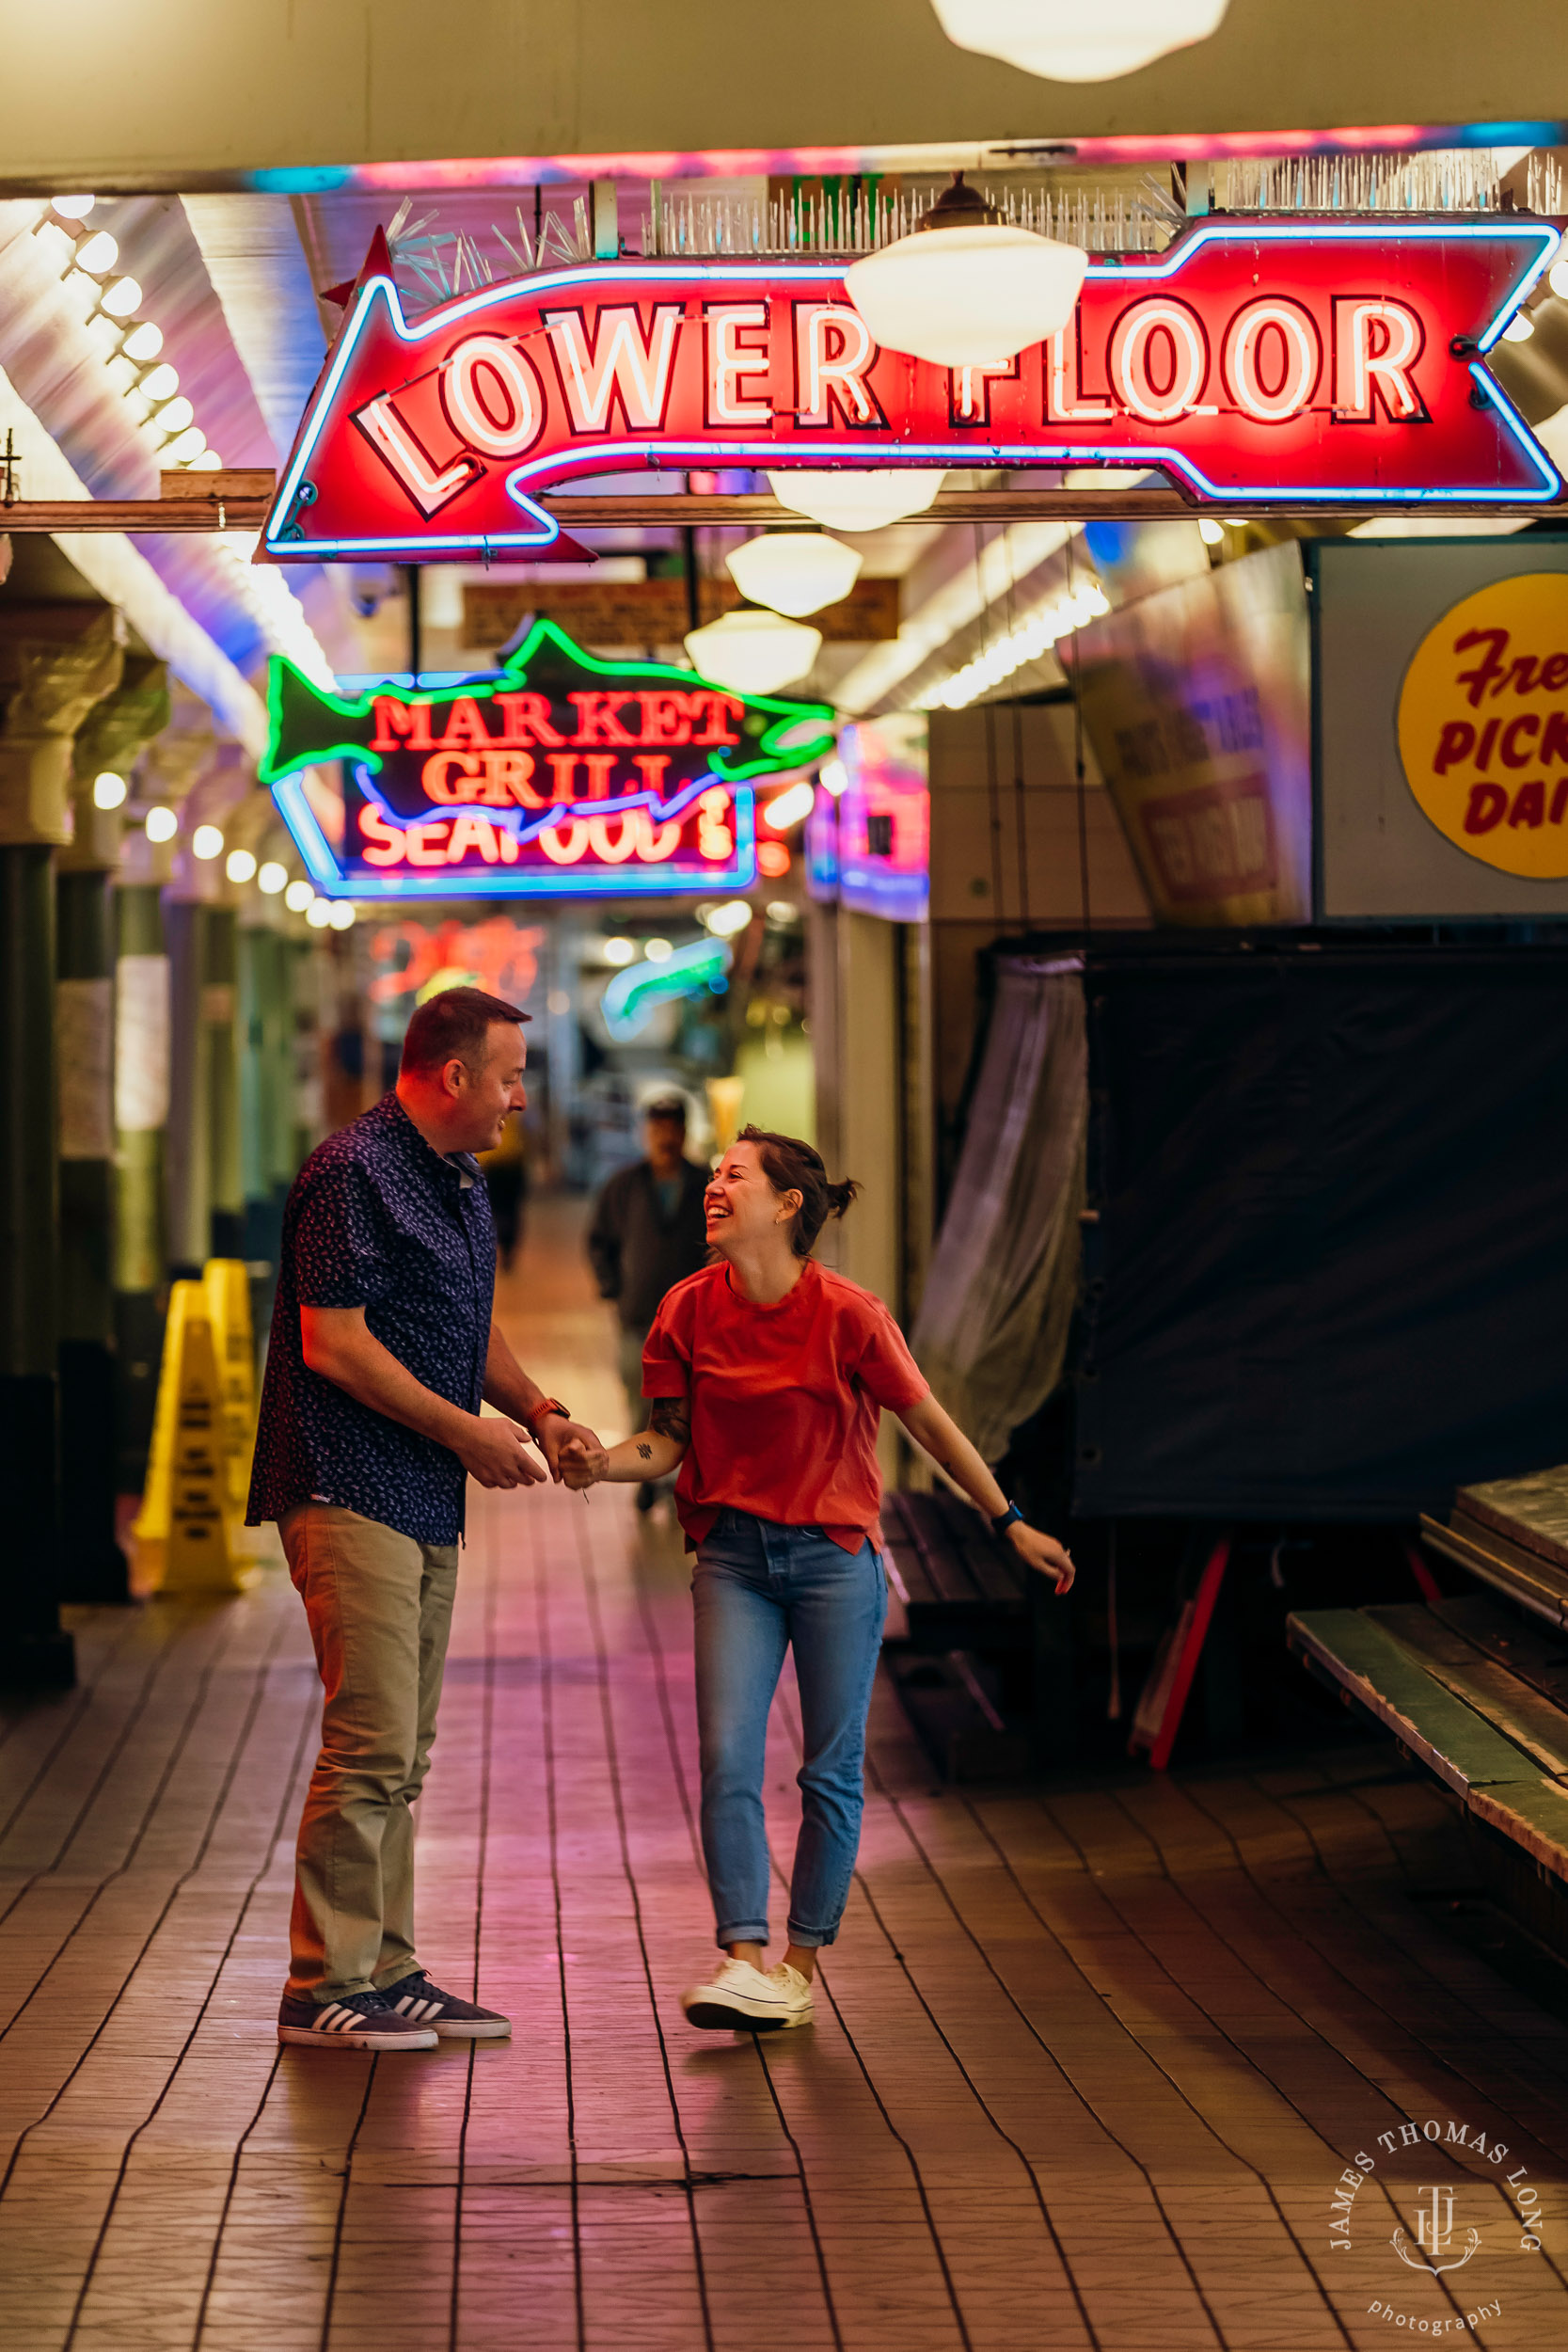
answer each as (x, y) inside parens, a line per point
(1258, 359)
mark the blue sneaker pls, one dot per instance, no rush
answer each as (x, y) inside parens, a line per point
(424, 2003)
(360, 2021)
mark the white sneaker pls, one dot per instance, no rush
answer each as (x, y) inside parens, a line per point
(739, 1998)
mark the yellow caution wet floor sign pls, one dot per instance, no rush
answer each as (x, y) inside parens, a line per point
(188, 1534)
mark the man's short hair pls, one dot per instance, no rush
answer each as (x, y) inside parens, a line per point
(670, 1107)
(454, 1026)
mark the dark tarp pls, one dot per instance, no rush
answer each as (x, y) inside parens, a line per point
(1330, 1274)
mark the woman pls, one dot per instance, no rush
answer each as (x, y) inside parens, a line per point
(769, 1376)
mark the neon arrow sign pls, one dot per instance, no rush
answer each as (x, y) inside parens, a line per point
(560, 776)
(1263, 361)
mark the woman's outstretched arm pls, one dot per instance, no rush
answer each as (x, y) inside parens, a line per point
(938, 1435)
(654, 1453)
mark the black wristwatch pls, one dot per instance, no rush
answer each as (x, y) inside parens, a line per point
(1010, 1517)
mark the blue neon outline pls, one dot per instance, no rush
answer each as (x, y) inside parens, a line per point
(604, 457)
(332, 882)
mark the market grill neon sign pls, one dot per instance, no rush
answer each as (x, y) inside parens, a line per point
(560, 775)
(1292, 361)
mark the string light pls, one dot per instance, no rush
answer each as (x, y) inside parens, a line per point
(161, 824)
(298, 896)
(318, 914)
(240, 865)
(272, 879)
(1032, 638)
(207, 842)
(109, 790)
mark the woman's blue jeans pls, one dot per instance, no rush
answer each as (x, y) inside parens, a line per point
(760, 1587)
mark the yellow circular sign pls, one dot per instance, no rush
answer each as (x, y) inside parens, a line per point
(1484, 726)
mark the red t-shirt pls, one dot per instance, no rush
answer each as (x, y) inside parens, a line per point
(784, 1399)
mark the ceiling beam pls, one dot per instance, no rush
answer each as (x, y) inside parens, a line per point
(750, 509)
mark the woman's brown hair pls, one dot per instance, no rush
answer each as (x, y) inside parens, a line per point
(791, 1166)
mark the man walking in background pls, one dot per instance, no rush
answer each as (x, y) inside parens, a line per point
(382, 1349)
(648, 1232)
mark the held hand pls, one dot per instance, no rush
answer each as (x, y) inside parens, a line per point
(554, 1434)
(583, 1462)
(1042, 1553)
(495, 1452)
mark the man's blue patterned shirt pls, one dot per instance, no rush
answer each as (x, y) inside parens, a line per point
(377, 1218)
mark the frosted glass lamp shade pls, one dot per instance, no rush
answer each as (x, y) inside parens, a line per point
(865, 498)
(1062, 40)
(964, 296)
(794, 571)
(755, 653)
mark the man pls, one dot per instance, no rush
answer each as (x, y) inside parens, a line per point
(648, 1233)
(382, 1348)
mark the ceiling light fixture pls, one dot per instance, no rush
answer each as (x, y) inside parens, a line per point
(964, 289)
(753, 652)
(143, 342)
(863, 499)
(1520, 327)
(160, 383)
(1209, 531)
(121, 298)
(175, 415)
(1065, 42)
(109, 790)
(73, 207)
(1029, 642)
(97, 254)
(726, 920)
(794, 571)
(788, 807)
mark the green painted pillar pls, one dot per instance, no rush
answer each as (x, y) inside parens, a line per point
(55, 662)
(187, 1167)
(93, 1566)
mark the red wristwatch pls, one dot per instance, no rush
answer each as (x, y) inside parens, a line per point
(546, 1404)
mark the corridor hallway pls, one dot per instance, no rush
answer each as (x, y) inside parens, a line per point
(1089, 2067)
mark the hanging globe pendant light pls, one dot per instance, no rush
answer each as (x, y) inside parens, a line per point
(857, 497)
(795, 571)
(1062, 40)
(751, 652)
(964, 290)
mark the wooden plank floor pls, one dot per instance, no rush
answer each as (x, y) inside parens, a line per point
(1087, 2069)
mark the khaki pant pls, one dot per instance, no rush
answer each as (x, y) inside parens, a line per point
(380, 1609)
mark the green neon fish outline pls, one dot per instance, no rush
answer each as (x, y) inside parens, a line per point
(290, 692)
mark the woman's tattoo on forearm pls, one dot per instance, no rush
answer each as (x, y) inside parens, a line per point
(672, 1418)
(647, 1453)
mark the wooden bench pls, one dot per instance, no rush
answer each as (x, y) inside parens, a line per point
(1474, 1688)
(961, 1586)
(967, 1598)
(1512, 1534)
